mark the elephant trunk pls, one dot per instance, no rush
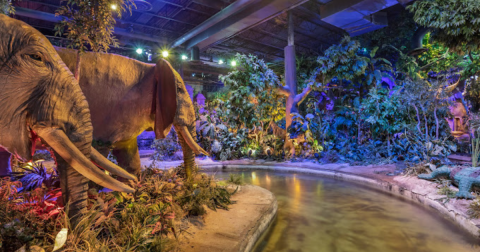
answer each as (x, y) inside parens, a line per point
(71, 142)
(75, 143)
(188, 156)
(189, 148)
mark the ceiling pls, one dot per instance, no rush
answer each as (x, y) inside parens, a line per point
(168, 20)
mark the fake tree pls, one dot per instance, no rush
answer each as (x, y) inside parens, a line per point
(344, 63)
(252, 98)
(6, 7)
(456, 23)
(252, 101)
(351, 72)
(90, 24)
(382, 112)
(429, 100)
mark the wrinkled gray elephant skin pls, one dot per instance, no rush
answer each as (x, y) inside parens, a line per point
(39, 98)
(127, 97)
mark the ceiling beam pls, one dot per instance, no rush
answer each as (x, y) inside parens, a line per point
(315, 18)
(218, 5)
(246, 50)
(118, 20)
(133, 11)
(239, 16)
(52, 18)
(184, 7)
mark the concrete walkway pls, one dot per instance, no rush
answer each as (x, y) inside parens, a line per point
(237, 229)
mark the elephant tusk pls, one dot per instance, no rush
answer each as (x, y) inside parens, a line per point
(104, 163)
(191, 143)
(57, 139)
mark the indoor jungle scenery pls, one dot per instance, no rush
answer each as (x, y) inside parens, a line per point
(240, 125)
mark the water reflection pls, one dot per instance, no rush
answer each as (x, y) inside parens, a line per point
(320, 214)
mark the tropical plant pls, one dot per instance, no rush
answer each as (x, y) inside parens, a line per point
(27, 217)
(142, 221)
(235, 179)
(456, 23)
(167, 148)
(382, 111)
(36, 175)
(216, 137)
(90, 24)
(474, 208)
(253, 98)
(6, 7)
(474, 125)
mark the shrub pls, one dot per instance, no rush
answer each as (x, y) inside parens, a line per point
(146, 220)
(166, 149)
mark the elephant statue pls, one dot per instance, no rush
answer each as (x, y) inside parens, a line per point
(40, 99)
(127, 97)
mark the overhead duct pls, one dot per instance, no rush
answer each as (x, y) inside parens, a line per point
(357, 16)
(240, 15)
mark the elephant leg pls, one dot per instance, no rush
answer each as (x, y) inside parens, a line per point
(5, 163)
(74, 190)
(128, 156)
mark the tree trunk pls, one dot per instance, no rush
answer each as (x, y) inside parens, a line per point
(358, 128)
(290, 78)
(437, 129)
(418, 119)
(388, 145)
(426, 123)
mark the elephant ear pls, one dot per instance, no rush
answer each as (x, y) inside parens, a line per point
(166, 98)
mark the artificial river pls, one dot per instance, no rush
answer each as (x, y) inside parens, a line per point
(327, 215)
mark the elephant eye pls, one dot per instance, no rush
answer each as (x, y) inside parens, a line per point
(36, 57)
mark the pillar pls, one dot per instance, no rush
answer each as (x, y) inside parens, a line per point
(290, 69)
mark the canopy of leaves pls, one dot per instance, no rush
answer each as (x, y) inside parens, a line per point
(382, 109)
(345, 64)
(342, 61)
(456, 22)
(90, 23)
(6, 7)
(252, 96)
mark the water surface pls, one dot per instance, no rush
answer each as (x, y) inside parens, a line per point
(323, 214)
